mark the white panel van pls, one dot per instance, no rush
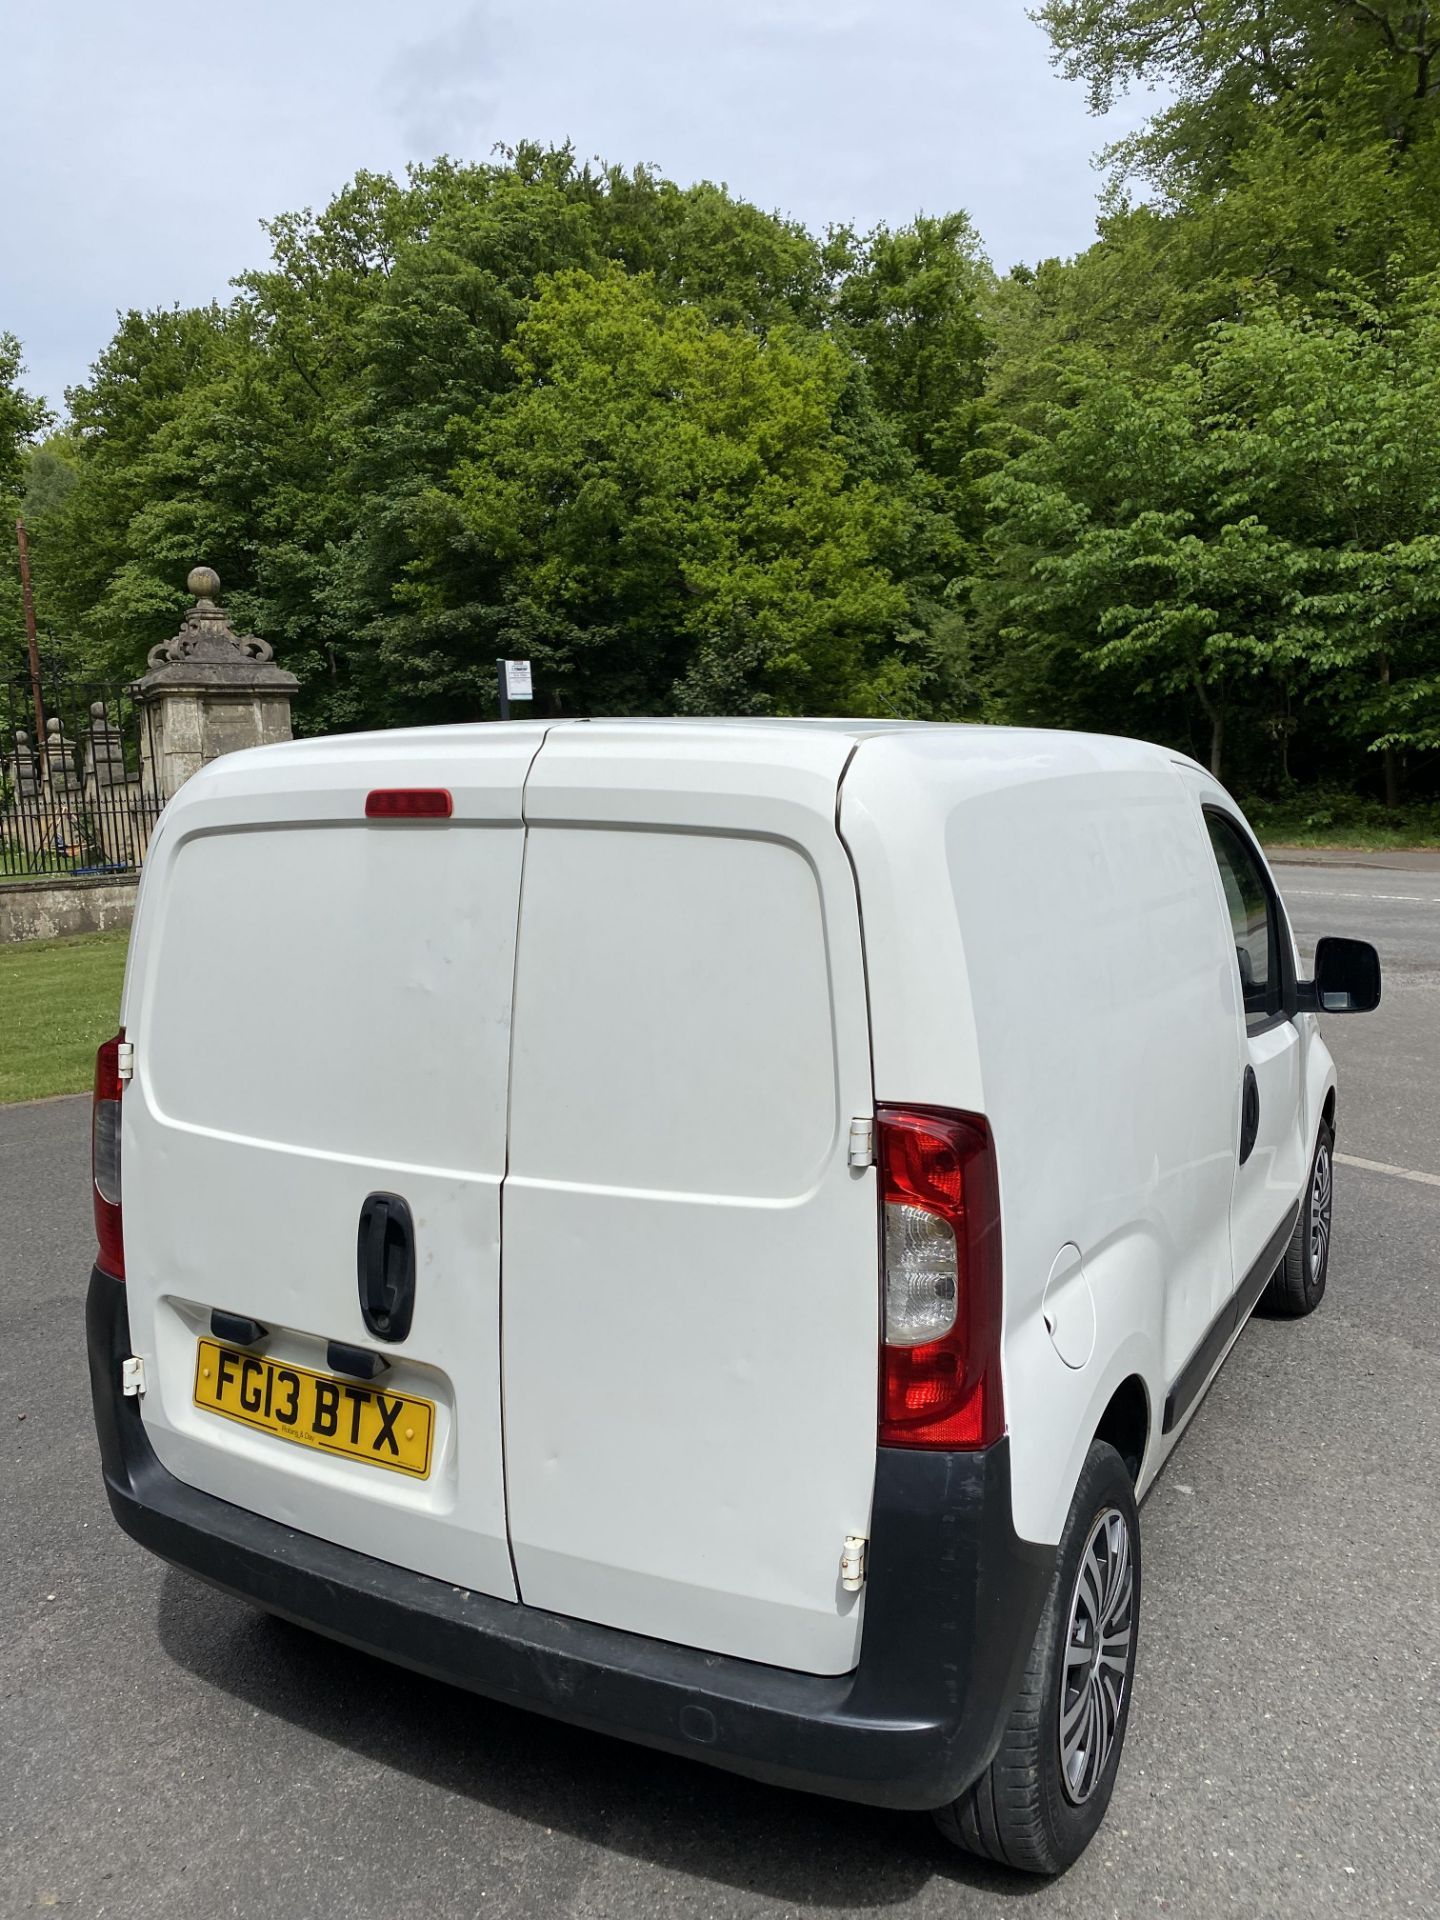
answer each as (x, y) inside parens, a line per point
(708, 1230)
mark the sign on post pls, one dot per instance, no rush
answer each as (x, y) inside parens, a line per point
(515, 683)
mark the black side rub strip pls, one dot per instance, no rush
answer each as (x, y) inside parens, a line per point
(1233, 1314)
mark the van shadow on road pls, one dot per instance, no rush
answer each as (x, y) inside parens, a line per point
(659, 1810)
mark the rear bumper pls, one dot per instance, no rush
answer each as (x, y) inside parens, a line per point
(952, 1602)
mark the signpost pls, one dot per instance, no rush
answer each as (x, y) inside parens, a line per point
(515, 683)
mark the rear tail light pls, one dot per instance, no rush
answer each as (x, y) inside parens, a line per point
(940, 1374)
(105, 1158)
(409, 803)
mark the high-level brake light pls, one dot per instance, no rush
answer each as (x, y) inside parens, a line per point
(409, 803)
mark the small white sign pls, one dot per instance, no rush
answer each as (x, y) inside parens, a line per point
(517, 680)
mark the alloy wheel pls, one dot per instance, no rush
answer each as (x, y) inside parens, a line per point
(1320, 1186)
(1097, 1654)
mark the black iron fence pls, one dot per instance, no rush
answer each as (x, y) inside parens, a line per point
(78, 788)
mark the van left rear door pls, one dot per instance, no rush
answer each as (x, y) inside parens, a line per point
(320, 1007)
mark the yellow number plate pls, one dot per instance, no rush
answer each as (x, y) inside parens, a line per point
(349, 1417)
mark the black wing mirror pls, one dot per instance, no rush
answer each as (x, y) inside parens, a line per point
(1347, 978)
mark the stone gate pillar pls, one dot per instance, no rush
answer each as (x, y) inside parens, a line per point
(209, 691)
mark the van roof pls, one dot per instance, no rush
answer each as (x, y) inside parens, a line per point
(1052, 751)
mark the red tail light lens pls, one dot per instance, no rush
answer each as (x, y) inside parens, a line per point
(409, 803)
(105, 1159)
(940, 1376)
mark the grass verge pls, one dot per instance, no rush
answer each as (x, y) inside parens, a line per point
(1342, 820)
(58, 1000)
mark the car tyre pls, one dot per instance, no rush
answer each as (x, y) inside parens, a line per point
(1298, 1285)
(1041, 1799)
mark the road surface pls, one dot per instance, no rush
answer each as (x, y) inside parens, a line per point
(164, 1751)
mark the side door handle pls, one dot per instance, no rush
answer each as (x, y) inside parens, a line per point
(385, 1258)
(1249, 1114)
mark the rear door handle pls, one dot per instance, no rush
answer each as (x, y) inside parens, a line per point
(385, 1258)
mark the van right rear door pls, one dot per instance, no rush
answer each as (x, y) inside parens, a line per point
(690, 1263)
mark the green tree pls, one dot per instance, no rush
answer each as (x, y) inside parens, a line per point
(1256, 529)
(667, 513)
(910, 303)
(1229, 64)
(22, 417)
(1211, 433)
(298, 436)
(684, 453)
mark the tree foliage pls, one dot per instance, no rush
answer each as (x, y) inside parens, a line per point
(22, 419)
(21, 416)
(680, 451)
(687, 456)
(670, 501)
(1257, 528)
(1213, 508)
(1232, 65)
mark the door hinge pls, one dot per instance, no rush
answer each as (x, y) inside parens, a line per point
(852, 1562)
(125, 1060)
(132, 1376)
(862, 1143)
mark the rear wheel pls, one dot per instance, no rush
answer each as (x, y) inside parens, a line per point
(1298, 1285)
(1041, 1799)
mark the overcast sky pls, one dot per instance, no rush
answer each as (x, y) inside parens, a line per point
(143, 140)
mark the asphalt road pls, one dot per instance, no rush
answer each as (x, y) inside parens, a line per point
(164, 1751)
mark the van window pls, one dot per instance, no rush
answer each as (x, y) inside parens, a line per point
(1253, 920)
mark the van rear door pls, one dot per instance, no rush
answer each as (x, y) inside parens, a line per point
(320, 1005)
(690, 1262)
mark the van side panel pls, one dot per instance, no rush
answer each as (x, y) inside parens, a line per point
(690, 1264)
(1082, 998)
(320, 1009)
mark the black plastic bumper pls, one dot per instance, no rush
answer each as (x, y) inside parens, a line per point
(951, 1606)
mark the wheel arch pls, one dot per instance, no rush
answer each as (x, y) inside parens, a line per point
(1125, 1423)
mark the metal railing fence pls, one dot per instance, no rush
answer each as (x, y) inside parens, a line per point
(78, 789)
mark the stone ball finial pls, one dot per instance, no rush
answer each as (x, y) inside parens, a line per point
(52, 727)
(203, 582)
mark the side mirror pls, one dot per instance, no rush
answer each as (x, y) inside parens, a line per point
(1347, 978)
